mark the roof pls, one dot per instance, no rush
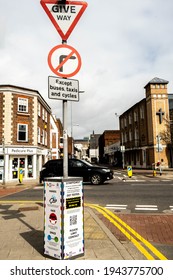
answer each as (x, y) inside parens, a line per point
(157, 81)
(15, 88)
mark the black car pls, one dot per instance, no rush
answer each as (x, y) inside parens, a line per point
(76, 168)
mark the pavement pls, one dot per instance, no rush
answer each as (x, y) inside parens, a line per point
(22, 231)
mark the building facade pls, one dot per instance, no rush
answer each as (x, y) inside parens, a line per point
(106, 140)
(143, 125)
(94, 147)
(24, 133)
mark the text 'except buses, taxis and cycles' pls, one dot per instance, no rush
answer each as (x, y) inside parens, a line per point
(63, 89)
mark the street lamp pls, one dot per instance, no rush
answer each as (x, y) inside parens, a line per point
(72, 124)
(122, 143)
(72, 142)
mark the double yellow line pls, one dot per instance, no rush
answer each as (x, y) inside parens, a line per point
(130, 233)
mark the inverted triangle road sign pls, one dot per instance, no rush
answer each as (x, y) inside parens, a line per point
(64, 16)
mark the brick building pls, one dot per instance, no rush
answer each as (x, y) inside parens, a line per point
(108, 138)
(26, 123)
(142, 127)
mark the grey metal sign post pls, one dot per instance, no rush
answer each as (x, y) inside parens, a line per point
(63, 201)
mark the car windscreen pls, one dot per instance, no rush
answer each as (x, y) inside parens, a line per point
(87, 163)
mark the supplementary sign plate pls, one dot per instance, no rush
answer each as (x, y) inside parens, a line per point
(63, 89)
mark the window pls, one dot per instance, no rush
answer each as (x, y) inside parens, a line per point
(39, 109)
(22, 132)
(22, 104)
(122, 123)
(42, 137)
(130, 119)
(135, 116)
(130, 135)
(45, 116)
(125, 122)
(38, 135)
(45, 134)
(142, 112)
(136, 133)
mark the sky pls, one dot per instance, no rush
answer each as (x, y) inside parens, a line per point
(123, 45)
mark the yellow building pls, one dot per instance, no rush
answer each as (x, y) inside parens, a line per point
(145, 128)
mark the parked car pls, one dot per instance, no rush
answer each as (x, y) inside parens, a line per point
(76, 168)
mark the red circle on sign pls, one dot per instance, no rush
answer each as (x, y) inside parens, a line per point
(72, 53)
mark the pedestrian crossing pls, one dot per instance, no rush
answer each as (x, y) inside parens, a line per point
(136, 208)
(116, 206)
(124, 178)
(146, 208)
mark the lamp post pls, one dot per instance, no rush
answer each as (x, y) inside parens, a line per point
(122, 144)
(159, 147)
(72, 142)
(72, 124)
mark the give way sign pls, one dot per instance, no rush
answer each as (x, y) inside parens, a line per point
(64, 16)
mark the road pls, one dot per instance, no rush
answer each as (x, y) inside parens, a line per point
(144, 203)
(129, 196)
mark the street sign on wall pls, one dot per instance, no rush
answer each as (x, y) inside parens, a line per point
(64, 61)
(63, 89)
(64, 16)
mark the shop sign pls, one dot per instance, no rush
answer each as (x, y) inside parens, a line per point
(21, 151)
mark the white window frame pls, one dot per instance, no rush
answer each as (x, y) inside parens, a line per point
(135, 116)
(38, 139)
(125, 122)
(26, 131)
(43, 114)
(42, 137)
(39, 109)
(45, 138)
(130, 118)
(142, 112)
(122, 123)
(46, 116)
(24, 103)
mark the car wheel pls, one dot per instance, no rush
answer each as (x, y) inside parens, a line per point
(96, 179)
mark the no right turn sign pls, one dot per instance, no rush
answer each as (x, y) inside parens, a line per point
(64, 61)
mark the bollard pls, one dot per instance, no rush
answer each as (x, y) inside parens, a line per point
(129, 171)
(20, 175)
(154, 173)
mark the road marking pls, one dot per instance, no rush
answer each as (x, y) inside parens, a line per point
(130, 233)
(171, 208)
(20, 201)
(38, 188)
(146, 207)
(141, 180)
(166, 180)
(116, 206)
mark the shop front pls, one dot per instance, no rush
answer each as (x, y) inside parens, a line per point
(29, 160)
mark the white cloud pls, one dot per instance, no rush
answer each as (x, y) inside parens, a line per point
(123, 45)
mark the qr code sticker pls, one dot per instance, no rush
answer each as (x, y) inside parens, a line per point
(73, 220)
